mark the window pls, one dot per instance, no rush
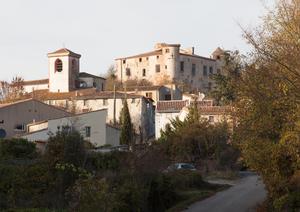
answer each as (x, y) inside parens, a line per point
(204, 70)
(182, 66)
(211, 119)
(87, 132)
(105, 102)
(157, 57)
(124, 61)
(166, 67)
(128, 72)
(193, 69)
(167, 50)
(94, 84)
(157, 68)
(20, 127)
(147, 58)
(1, 121)
(149, 95)
(83, 84)
(133, 100)
(58, 65)
(144, 72)
(141, 59)
(168, 97)
(211, 70)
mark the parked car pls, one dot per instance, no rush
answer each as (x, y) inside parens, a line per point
(180, 166)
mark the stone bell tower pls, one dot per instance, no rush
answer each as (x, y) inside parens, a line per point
(63, 70)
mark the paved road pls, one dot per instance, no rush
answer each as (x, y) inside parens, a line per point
(243, 196)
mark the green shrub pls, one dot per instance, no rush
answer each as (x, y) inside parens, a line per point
(162, 194)
(17, 149)
(184, 179)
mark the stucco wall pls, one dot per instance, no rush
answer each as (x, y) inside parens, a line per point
(24, 113)
(30, 88)
(37, 136)
(63, 81)
(112, 136)
(169, 61)
(162, 119)
(95, 120)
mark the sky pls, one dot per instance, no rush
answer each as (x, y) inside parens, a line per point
(102, 30)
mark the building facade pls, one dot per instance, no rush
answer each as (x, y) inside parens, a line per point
(64, 75)
(90, 125)
(15, 116)
(170, 64)
(169, 110)
(141, 108)
(157, 92)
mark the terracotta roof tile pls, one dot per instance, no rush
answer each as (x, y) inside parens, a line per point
(90, 93)
(171, 106)
(36, 82)
(144, 88)
(197, 56)
(84, 74)
(215, 110)
(147, 54)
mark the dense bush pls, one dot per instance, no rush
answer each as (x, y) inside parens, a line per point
(66, 178)
(17, 149)
(195, 140)
(183, 179)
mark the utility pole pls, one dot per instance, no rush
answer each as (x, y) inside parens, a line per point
(115, 122)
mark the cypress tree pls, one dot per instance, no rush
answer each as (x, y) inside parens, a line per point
(126, 125)
(193, 115)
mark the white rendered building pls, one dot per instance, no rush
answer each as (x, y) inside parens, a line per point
(91, 126)
(141, 108)
(169, 110)
(170, 64)
(64, 75)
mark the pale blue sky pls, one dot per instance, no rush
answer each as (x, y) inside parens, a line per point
(102, 30)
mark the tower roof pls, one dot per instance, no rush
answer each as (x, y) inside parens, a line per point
(218, 51)
(64, 52)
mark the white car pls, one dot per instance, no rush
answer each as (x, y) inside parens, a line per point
(181, 166)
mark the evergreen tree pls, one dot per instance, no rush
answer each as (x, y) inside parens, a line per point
(126, 125)
(193, 115)
(226, 88)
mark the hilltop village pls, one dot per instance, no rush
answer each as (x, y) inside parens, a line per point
(174, 79)
(158, 86)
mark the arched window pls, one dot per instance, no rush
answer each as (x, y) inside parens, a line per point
(58, 65)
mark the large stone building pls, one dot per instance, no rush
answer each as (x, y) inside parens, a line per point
(170, 64)
(64, 75)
